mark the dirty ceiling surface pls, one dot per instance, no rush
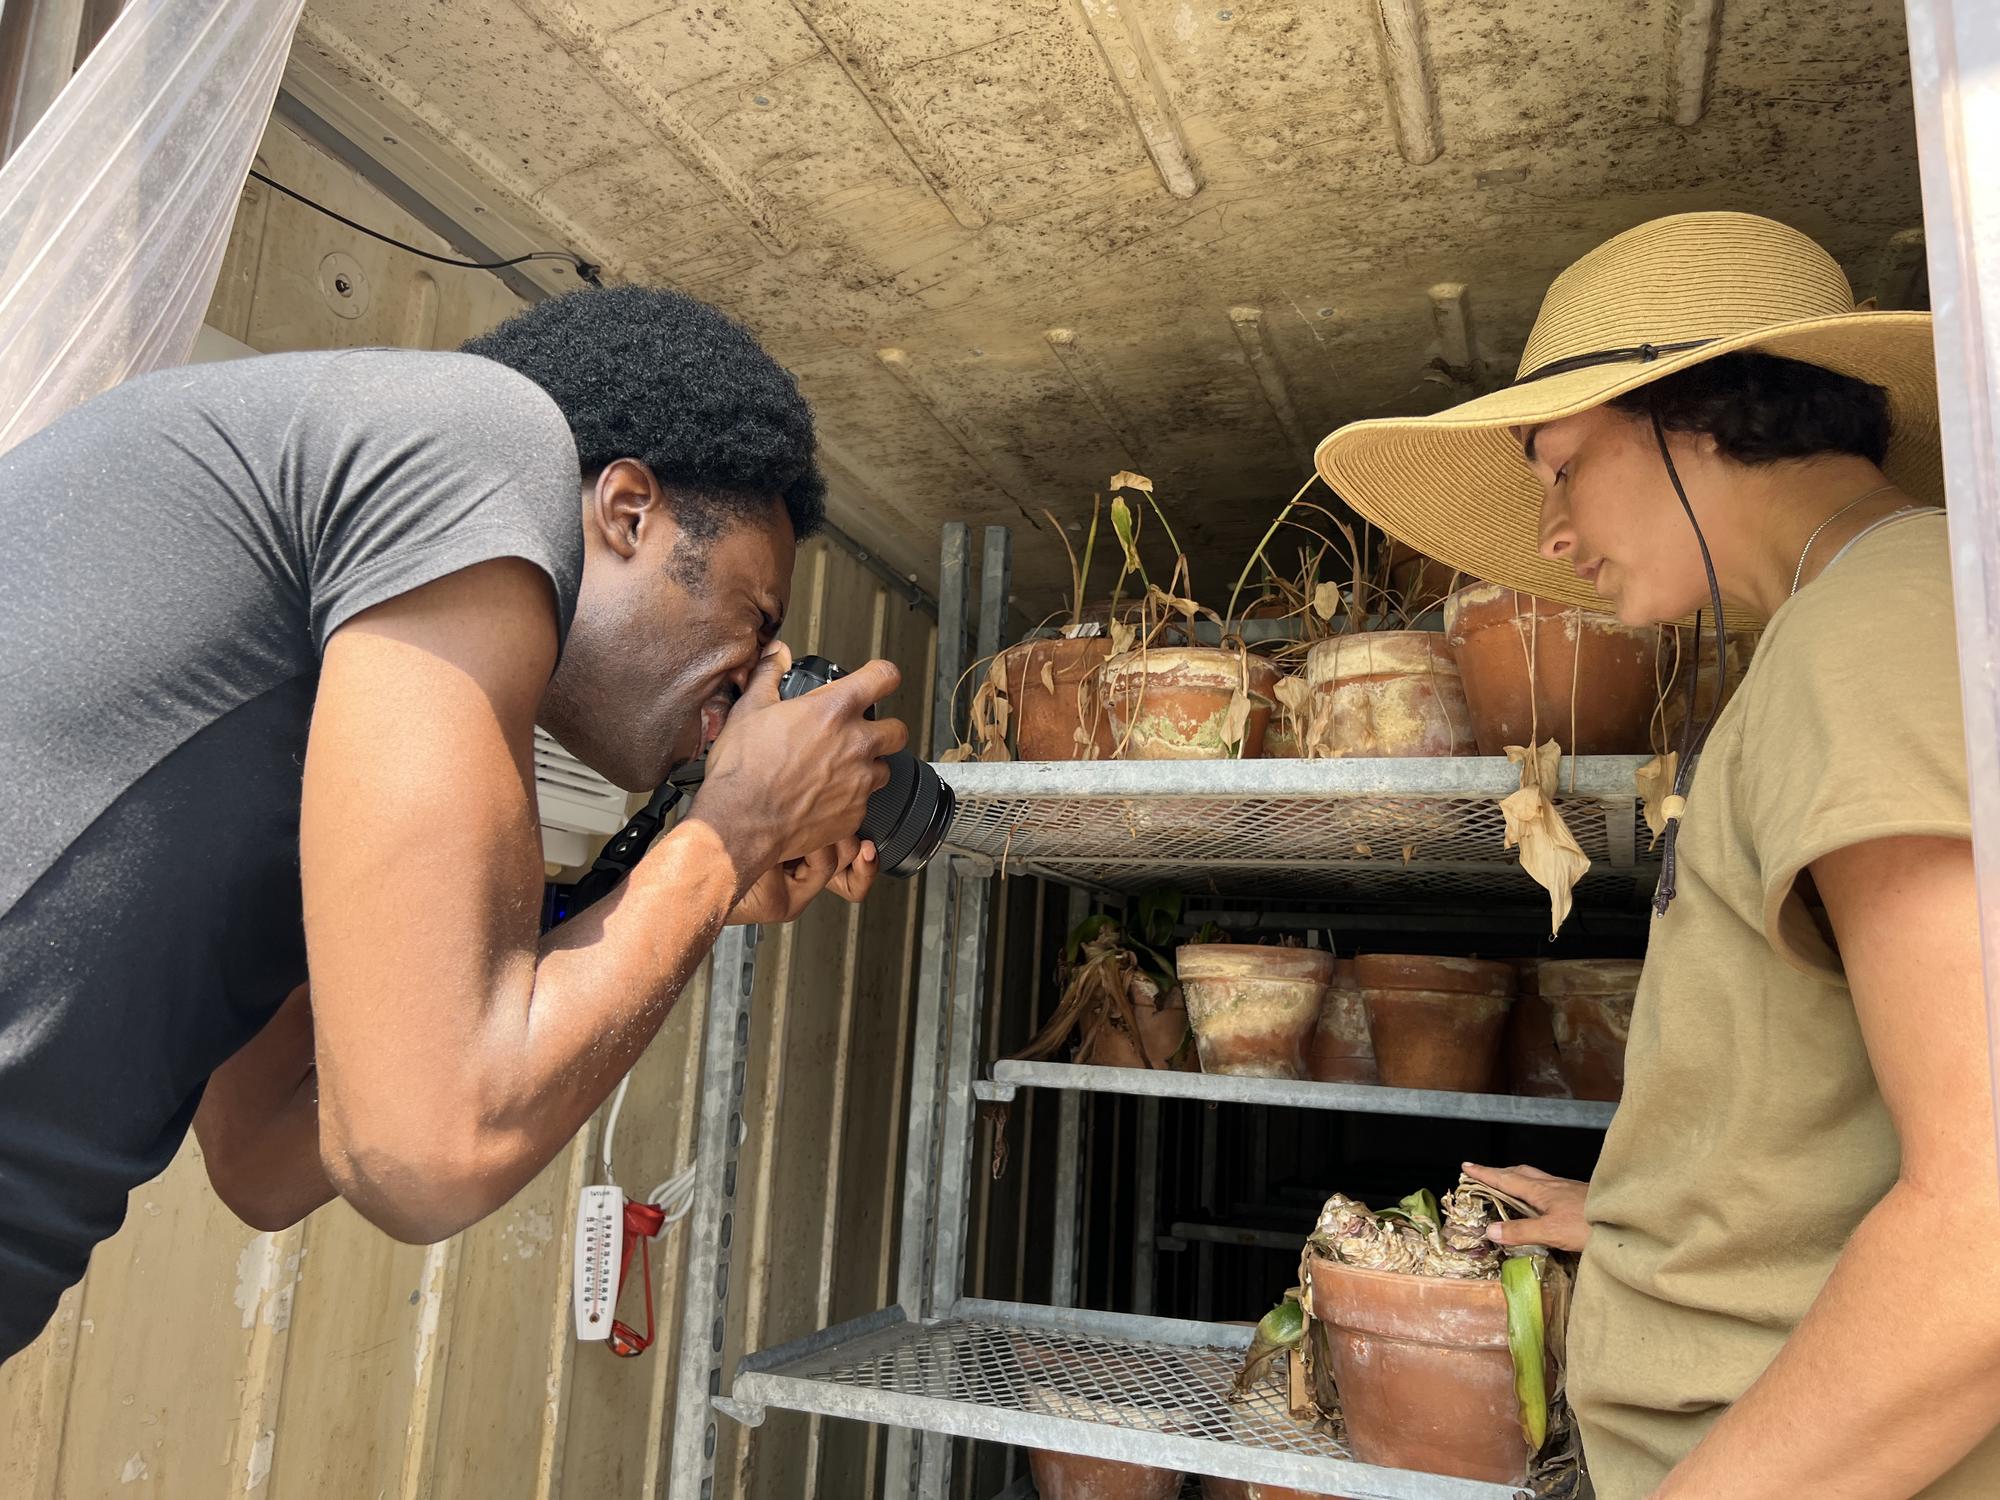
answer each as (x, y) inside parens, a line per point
(1011, 246)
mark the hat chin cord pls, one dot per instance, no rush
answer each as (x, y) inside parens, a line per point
(1692, 739)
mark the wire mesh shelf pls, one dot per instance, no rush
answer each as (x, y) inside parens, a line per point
(1140, 1390)
(1357, 1098)
(1365, 832)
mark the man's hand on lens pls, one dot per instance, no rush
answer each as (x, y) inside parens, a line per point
(787, 784)
(848, 869)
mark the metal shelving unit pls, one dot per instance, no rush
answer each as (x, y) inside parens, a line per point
(1140, 1390)
(1358, 1098)
(1392, 838)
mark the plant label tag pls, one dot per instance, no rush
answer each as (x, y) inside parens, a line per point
(598, 1212)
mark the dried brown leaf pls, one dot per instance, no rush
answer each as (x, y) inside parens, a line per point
(958, 754)
(1549, 851)
(1122, 636)
(1236, 723)
(1125, 479)
(1655, 781)
(1049, 678)
(1326, 601)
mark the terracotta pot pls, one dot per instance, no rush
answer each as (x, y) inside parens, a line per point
(1052, 691)
(1073, 1476)
(1172, 702)
(1590, 1004)
(1435, 1022)
(1387, 692)
(1528, 1063)
(1163, 1030)
(1494, 631)
(1339, 1051)
(1423, 1371)
(1213, 1488)
(1253, 1008)
(1284, 735)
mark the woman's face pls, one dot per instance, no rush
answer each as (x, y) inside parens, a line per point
(1610, 512)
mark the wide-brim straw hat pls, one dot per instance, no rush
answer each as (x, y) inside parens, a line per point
(1659, 298)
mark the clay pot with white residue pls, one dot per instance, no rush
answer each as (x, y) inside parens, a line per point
(1340, 1051)
(1385, 693)
(1537, 670)
(1253, 1009)
(1052, 694)
(1590, 1006)
(1435, 1023)
(1173, 703)
(1423, 1370)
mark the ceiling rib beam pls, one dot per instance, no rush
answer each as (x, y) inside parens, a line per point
(565, 26)
(1399, 37)
(1248, 323)
(939, 166)
(1087, 375)
(1453, 320)
(1135, 75)
(1694, 31)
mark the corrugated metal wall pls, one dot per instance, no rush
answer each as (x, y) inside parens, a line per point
(199, 1358)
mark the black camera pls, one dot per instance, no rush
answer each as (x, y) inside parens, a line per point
(908, 817)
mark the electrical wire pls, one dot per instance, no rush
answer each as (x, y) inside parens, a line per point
(676, 1194)
(585, 270)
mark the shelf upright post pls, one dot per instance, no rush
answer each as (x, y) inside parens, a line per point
(1146, 1206)
(927, 1043)
(1066, 1235)
(961, 1052)
(718, 1134)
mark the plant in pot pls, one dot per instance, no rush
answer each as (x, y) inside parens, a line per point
(1039, 700)
(1429, 1346)
(1178, 702)
(1120, 996)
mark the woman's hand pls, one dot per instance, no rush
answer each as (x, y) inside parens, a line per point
(1559, 1221)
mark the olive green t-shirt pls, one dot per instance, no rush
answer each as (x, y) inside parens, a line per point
(1752, 1138)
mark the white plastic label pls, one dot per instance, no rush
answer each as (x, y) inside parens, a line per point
(598, 1213)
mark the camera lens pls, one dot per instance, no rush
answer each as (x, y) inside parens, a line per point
(908, 817)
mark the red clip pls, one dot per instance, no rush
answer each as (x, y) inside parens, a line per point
(642, 1221)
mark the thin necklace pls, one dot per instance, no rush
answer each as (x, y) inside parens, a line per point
(1799, 573)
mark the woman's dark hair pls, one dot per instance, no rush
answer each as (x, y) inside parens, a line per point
(646, 373)
(1762, 409)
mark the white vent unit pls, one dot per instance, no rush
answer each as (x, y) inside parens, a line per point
(579, 808)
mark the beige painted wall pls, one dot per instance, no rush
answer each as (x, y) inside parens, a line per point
(199, 1358)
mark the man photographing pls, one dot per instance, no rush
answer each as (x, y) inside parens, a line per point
(274, 638)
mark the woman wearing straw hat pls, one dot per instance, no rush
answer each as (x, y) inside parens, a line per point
(1786, 1285)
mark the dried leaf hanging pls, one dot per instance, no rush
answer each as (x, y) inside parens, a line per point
(1326, 600)
(1549, 851)
(1125, 479)
(1655, 780)
(1049, 678)
(1236, 723)
(1122, 636)
(1187, 609)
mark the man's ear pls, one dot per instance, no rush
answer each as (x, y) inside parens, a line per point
(624, 505)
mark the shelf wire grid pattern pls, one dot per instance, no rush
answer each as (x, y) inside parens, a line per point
(1143, 1387)
(1350, 847)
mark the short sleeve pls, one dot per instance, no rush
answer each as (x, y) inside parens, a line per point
(1854, 729)
(408, 466)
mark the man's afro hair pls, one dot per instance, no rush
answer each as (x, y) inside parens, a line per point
(643, 372)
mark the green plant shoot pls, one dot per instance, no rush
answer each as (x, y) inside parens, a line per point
(1521, 1280)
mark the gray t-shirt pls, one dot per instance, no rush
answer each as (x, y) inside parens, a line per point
(174, 556)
